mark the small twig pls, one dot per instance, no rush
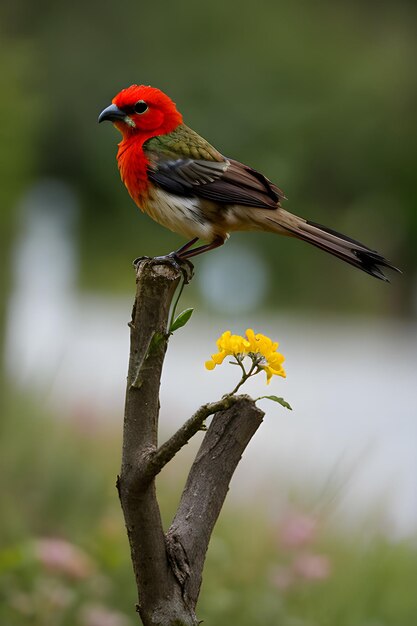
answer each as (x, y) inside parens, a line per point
(169, 449)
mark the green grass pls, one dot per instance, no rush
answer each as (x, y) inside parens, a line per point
(57, 480)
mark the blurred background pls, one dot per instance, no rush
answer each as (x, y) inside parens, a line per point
(320, 525)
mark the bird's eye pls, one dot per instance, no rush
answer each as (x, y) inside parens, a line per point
(140, 107)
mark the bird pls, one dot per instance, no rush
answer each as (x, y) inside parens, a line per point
(185, 184)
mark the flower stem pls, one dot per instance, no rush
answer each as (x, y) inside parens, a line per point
(245, 375)
(174, 307)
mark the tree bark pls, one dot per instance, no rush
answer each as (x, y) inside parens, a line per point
(206, 489)
(168, 568)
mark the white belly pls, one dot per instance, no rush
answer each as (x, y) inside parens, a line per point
(181, 215)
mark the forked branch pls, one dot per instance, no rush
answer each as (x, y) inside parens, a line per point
(168, 568)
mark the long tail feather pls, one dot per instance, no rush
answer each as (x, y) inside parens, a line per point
(341, 246)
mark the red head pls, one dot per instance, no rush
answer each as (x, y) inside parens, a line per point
(142, 111)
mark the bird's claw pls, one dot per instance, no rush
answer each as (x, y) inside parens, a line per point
(175, 260)
(185, 266)
(137, 261)
(181, 265)
(187, 269)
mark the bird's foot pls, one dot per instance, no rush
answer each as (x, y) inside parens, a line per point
(138, 260)
(181, 265)
(175, 260)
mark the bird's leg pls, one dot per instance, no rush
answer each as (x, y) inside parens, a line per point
(172, 255)
(188, 254)
(176, 254)
(185, 247)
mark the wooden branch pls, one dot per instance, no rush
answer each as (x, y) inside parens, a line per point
(169, 449)
(168, 569)
(157, 586)
(205, 491)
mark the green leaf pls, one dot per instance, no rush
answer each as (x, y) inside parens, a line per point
(181, 320)
(280, 401)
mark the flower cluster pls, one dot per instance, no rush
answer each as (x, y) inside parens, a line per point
(300, 561)
(260, 349)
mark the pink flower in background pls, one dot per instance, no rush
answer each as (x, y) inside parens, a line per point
(312, 566)
(297, 530)
(97, 615)
(282, 578)
(60, 556)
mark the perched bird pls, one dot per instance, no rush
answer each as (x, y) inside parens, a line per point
(186, 185)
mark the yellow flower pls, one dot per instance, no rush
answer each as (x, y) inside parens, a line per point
(228, 345)
(259, 348)
(264, 350)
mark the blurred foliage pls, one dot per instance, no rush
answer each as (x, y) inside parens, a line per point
(320, 96)
(64, 558)
(19, 115)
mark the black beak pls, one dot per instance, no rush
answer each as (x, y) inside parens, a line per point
(112, 113)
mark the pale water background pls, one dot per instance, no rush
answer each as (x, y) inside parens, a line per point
(351, 441)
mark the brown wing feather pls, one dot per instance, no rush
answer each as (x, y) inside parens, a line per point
(225, 182)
